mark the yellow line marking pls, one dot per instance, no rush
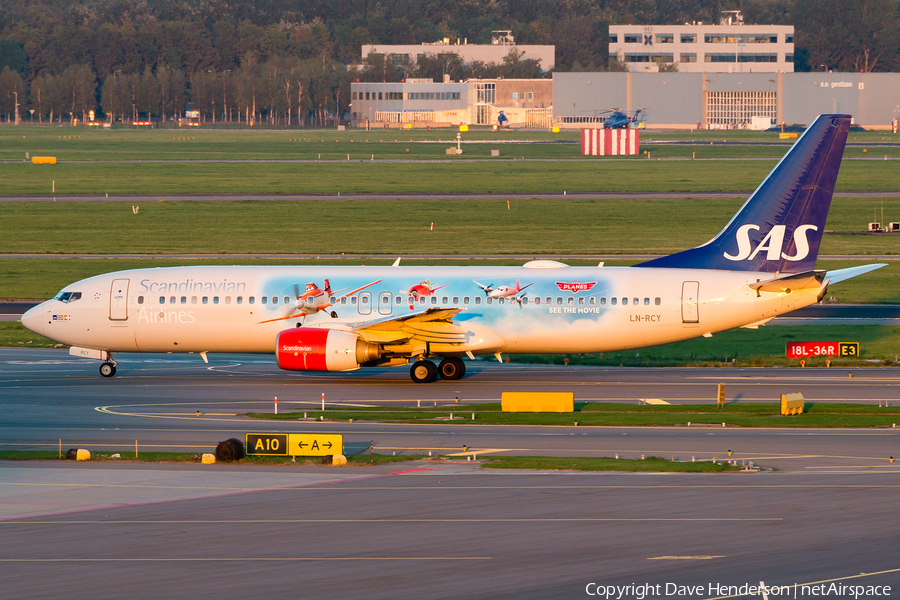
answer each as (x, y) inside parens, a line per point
(272, 521)
(796, 585)
(245, 559)
(685, 557)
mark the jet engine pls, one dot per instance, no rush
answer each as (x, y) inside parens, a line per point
(310, 349)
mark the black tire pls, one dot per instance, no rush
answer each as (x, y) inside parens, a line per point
(72, 454)
(230, 450)
(423, 371)
(452, 368)
(107, 369)
(334, 315)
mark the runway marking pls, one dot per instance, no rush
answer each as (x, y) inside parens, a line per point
(246, 559)
(796, 585)
(685, 557)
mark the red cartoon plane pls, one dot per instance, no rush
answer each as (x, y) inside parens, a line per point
(422, 290)
(314, 300)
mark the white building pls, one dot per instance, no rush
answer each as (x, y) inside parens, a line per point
(501, 45)
(730, 47)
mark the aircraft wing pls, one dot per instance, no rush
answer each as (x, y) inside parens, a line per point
(433, 325)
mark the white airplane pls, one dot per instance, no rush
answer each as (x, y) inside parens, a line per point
(501, 291)
(761, 265)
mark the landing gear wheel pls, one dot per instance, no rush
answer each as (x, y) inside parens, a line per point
(423, 371)
(107, 369)
(452, 368)
(334, 315)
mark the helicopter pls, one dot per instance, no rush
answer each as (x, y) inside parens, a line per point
(619, 119)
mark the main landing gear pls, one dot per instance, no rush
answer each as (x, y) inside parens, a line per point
(108, 369)
(425, 371)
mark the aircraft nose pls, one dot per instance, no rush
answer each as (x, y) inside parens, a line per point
(33, 319)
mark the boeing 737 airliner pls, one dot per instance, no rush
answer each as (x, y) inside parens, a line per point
(761, 265)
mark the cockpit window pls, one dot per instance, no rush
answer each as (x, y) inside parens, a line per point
(69, 297)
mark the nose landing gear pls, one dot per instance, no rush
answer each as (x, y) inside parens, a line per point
(108, 369)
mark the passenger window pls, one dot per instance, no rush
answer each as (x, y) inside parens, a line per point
(422, 300)
(537, 300)
(624, 301)
(227, 299)
(603, 301)
(456, 300)
(251, 300)
(477, 299)
(140, 299)
(205, 299)
(646, 301)
(274, 299)
(613, 300)
(344, 300)
(548, 300)
(215, 299)
(184, 299)
(657, 301)
(581, 301)
(592, 301)
(444, 300)
(466, 300)
(488, 300)
(398, 300)
(240, 300)
(524, 299)
(162, 299)
(570, 301)
(193, 299)
(559, 299)
(364, 299)
(501, 301)
(636, 301)
(264, 300)
(287, 299)
(433, 299)
(353, 300)
(172, 300)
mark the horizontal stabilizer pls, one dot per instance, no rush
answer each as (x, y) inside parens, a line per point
(845, 274)
(794, 281)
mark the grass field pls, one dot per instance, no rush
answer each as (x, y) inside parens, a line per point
(562, 226)
(737, 414)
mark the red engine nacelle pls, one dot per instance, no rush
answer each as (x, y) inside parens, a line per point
(308, 349)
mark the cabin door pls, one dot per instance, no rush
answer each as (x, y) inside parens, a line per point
(118, 300)
(690, 293)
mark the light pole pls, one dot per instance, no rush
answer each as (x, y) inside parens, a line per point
(17, 107)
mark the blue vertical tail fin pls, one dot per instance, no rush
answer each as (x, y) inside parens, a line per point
(780, 227)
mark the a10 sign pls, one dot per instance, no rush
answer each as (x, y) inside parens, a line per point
(813, 349)
(294, 444)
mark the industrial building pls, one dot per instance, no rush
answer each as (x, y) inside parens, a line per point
(729, 47)
(502, 43)
(726, 100)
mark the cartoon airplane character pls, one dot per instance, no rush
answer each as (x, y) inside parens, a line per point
(422, 290)
(504, 291)
(314, 300)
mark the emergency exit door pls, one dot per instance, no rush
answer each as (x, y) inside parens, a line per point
(690, 293)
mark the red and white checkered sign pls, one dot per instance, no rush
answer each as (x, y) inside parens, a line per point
(610, 142)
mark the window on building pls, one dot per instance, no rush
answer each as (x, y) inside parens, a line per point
(732, 108)
(688, 38)
(789, 57)
(665, 38)
(614, 38)
(514, 96)
(632, 38)
(713, 57)
(367, 95)
(353, 96)
(789, 38)
(688, 57)
(757, 58)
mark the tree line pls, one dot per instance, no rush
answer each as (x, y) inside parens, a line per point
(290, 60)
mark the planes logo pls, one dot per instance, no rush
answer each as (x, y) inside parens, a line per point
(575, 286)
(772, 243)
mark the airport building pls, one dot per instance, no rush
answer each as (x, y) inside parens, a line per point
(729, 47)
(726, 100)
(502, 43)
(423, 103)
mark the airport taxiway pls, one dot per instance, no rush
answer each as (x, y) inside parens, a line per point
(428, 529)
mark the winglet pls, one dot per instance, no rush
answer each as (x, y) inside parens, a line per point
(396, 262)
